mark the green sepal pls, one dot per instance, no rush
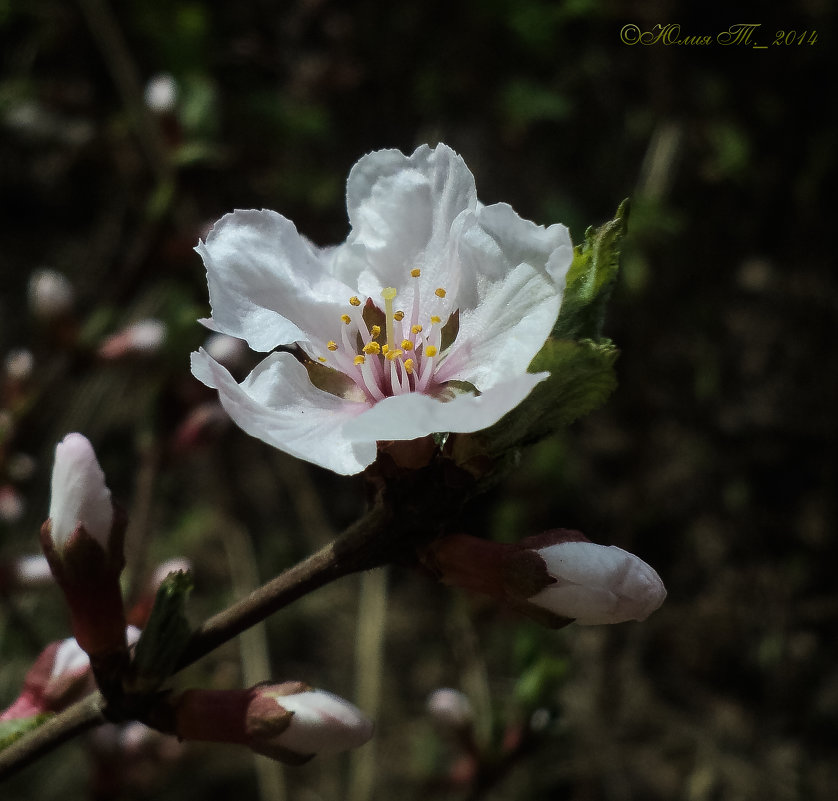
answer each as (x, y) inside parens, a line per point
(581, 379)
(13, 730)
(164, 636)
(591, 278)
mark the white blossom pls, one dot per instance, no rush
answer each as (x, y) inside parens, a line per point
(424, 320)
(598, 584)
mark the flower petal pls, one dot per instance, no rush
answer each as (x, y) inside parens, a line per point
(414, 415)
(278, 404)
(266, 283)
(513, 279)
(402, 209)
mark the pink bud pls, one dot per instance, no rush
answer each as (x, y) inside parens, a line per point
(598, 584)
(83, 543)
(79, 495)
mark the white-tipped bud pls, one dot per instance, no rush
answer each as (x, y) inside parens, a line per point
(289, 722)
(32, 571)
(161, 93)
(598, 584)
(19, 364)
(12, 506)
(450, 708)
(79, 495)
(141, 338)
(226, 350)
(50, 294)
(322, 723)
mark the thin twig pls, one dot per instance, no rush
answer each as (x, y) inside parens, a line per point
(355, 550)
(80, 717)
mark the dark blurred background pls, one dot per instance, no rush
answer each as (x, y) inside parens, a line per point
(715, 460)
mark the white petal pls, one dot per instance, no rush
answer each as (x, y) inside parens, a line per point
(514, 275)
(78, 493)
(266, 283)
(278, 404)
(599, 584)
(414, 415)
(402, 209)
(323, 723)
(499, 338)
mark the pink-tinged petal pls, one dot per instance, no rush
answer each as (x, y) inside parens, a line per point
(278, 404)
(414, 415)
(266, 283)
(402, 210)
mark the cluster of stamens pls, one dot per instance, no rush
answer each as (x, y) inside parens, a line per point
(403, 360)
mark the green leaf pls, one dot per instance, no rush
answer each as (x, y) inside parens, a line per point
(581, 379)
(165, 634)
(12, 730)
(591, 278)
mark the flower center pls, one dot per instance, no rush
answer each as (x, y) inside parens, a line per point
(406, 359)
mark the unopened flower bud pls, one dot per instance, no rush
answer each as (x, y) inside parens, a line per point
(79, 496)
(161, 93)
(289, 722)
(59, 676)
(18, 365)
(450, 708)
(226, 350)
(597, 584)
(50, 295)
(557, 577)
(142, 338)
(83, 543)
(12, 505)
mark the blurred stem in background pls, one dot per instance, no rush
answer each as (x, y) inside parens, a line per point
(369, 651)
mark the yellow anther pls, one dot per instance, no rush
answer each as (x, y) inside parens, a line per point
(375, 331)
(372, 348)
(416, 329)
(355, 300)
(321, 359)
(440, 292)
(385, 349)
(399, 315)
(431, 351)
(346, 319)
(359, 359)
(435, 320)
(394, 354)
(415, 273)
(408, 366)
(406, 344)
(332, 345)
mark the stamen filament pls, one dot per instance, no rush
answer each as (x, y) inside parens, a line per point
(389, 294)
